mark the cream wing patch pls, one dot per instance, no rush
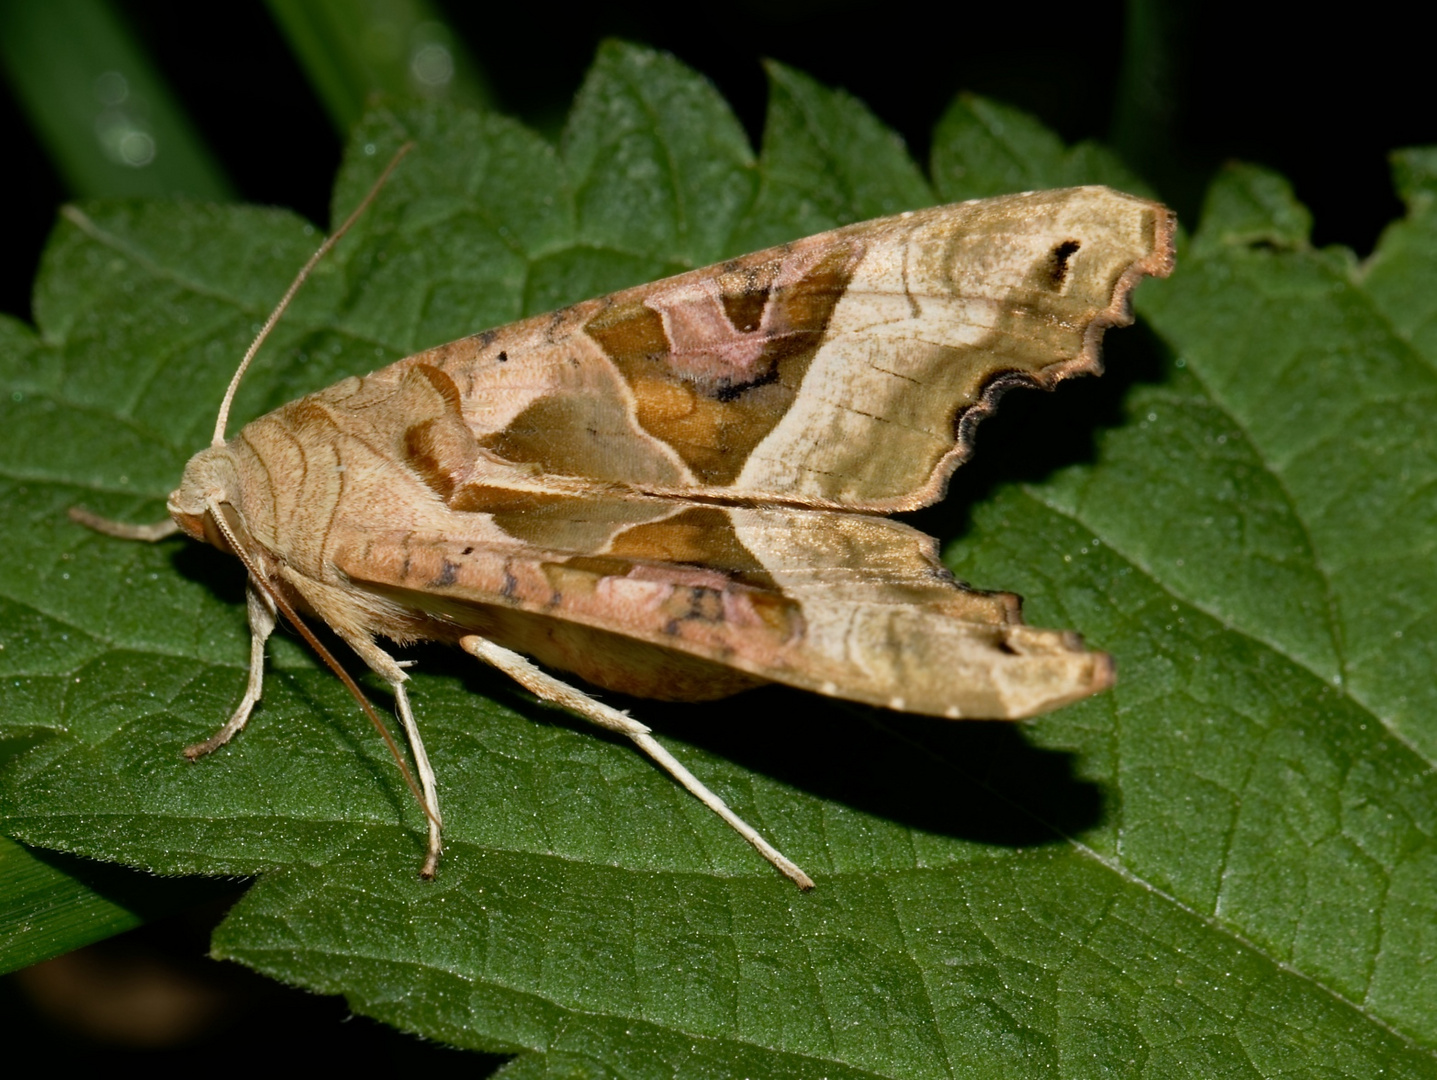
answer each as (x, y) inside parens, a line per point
(947, 303)
(885, 621)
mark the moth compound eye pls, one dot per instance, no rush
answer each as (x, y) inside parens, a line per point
(234, 533)
(187, 512)
(192, 524)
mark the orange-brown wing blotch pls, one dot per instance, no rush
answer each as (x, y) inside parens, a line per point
(542, 396)
(438, 445)
(714, 362)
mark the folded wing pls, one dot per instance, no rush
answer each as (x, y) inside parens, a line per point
(661, 598)
(847, 369)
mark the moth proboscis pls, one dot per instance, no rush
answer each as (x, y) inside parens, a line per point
(678, 490)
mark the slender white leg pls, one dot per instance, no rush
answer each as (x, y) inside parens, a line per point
(261, 625)
(337, 616)
(527, 675)
(426, 780)
(392, 672)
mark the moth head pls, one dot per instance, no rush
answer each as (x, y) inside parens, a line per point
(212, 474)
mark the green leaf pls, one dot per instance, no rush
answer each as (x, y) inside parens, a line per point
(658, 165)
(1252, 206)
(1223, 866)
(827, 161)
(984, 148)
(1401, 276)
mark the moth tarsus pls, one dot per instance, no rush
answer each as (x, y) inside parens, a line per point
(123, 530)
(676, 491)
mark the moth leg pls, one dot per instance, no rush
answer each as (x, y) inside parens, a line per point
(261, 625)
(426, 778)
(125, 531)
(538, 682)
(388, 669)
(332, 609)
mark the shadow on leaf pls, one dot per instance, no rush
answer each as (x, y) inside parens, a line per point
(1034, 434)
(978, 781)
(140, 892)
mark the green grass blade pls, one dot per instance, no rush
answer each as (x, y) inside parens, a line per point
(1147, 100)
(353, 50)
(51, 904)
(105, 114)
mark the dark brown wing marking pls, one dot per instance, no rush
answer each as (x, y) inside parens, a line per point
(438, 444)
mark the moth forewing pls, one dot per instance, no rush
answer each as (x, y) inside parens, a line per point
(674, 490)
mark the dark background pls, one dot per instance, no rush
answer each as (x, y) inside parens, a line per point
(1320, 99)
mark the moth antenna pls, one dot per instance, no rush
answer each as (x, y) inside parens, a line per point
(222, 421)
(324, 654)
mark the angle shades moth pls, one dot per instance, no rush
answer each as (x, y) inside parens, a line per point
(680, 490)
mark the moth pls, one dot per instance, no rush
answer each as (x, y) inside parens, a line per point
(680, 490)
